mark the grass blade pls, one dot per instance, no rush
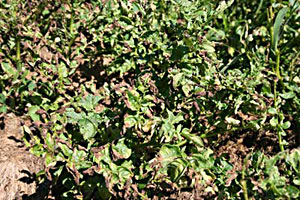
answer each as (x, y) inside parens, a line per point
(277, 26)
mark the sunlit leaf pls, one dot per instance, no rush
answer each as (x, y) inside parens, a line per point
(32, 113)
(120, 150)
(7, 68)
(278, 26)
(87, 128)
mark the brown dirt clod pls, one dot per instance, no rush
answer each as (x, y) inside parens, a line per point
(17, 165)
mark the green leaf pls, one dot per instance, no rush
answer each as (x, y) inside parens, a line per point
(193, 138)
(186, 88)
(66, 150)
(203, 160)
(294, 160)
(296, 182)
(2, 98)
(74, 117)
(130, 121)
(293, 191)
(169, 153)
(176, 169)
(208, 47)
(174, 119)
(267, 90)
(277, 27)
(50, 160)
(32, 113)
(62, 70)
(90, 102)
(121, 151)
(274, 121)
(133, 100)
(167, 129)
(272, 111)
(176, 79)
(286, 125)
(3, 109)
(224, 5)
(87, 128)
(50, 142)
(80, 159)
(124, 174)
(216, 34)
(138, 8)
(288, 95)
(7, 68)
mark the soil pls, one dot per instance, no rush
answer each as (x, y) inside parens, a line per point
(17, 165)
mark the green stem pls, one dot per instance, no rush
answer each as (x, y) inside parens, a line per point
(71, 21)
(225, 22)
(258, 8)
(275, 94)
(244, 187)
(275, 105)
(276, 70)
(181, 143)
(280, 140)
(278, 66)
(71, 32)
(243, 181)
(18, 53)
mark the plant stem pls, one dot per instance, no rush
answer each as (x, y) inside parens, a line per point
(181, 143)
(276, 69)
(244, 187)
(71, 31)
(225, 22)
(243, 181)
(278, 74)
(275, 94)
(71, 22)
(280, 140)
(18, 53)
